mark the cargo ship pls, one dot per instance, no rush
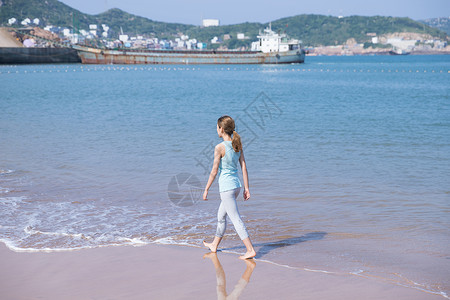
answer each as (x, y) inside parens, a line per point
(271, 48)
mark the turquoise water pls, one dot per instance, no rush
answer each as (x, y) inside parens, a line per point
(347, 156)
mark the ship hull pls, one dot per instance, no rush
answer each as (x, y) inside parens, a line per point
(16, 55)
(99, 56)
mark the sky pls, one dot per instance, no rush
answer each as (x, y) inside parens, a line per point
(239, 11)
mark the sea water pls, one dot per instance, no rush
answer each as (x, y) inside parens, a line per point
(348, 159)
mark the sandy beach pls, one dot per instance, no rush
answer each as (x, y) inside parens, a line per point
(175, 272)
(346, 177)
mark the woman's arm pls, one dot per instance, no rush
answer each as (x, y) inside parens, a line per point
(244, 176)
(215, 169)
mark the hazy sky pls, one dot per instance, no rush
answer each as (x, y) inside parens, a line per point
(238, 11)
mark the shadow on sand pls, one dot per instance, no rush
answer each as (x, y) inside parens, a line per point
(270, 246)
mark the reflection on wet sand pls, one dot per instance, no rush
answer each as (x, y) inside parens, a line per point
(221, 280)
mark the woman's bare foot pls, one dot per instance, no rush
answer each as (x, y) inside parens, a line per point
(248, 254)
(211, 246)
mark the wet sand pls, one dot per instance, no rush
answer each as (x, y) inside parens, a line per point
(175, 272)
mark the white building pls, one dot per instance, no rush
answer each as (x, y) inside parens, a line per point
(181, 44)
(401, 43)
(25, 22)
(215, 40)
(74, 38)
(191, 44)
(105, 30)
(210, 22)
(201, 45)
(240, 36)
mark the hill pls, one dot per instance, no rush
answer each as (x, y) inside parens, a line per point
(53, 12)
(327, 30)
(439, 23)
(313, 30)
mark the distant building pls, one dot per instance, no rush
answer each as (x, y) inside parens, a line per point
(123, 38)
(210, 22)
(375, 40)
(105, 30)
(201, 45)
(26, 22)
(226, 37)
(215, 40)
(400, 43)
(241, 36)
(93, 29)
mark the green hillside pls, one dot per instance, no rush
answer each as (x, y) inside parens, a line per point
(439, 23)
(53, 12)
(313, 30)
(327, 30)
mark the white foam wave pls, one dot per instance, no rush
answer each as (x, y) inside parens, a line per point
(13, 247)
(6, 171)
(412, 284)
(29, 230)
(12, 202)
(137, 242)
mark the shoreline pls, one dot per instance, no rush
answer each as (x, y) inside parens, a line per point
(172, 272)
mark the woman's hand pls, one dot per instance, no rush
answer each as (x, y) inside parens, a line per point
(205, 195)
(246, 195)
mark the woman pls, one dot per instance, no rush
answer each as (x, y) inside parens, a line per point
(226, 156)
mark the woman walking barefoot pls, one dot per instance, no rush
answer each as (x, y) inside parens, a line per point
(226, 156)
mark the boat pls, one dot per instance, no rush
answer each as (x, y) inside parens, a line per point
(271, 48)
(397, 51)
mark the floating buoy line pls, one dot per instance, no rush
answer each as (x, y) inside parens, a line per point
(14, 69)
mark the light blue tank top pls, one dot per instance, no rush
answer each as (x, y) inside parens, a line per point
(228, 172)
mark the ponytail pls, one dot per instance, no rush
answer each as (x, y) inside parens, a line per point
(227, 123)
(236, 142)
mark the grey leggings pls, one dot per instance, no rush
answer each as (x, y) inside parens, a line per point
(228, 206)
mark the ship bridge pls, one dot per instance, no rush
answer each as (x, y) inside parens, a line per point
(271, 41)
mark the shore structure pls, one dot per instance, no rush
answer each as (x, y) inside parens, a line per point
(12, 51)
